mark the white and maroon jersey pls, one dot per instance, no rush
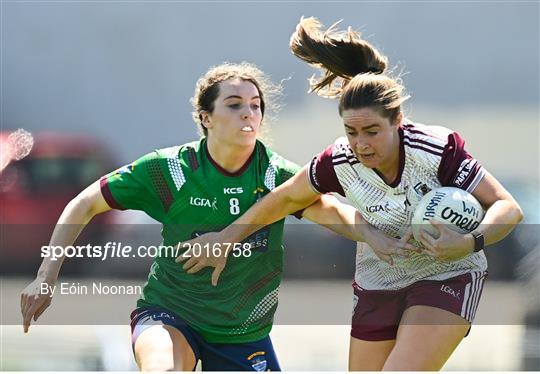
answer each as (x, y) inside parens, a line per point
(430, 157)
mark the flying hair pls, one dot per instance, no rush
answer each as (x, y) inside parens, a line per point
(340, 55)
(352, 68)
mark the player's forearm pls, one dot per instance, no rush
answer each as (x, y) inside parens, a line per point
(290, 197)
(346, 230)
(343, 219)
(70, 224)
(500, 220)
(359, 230)
(72, 221)
(329, 212)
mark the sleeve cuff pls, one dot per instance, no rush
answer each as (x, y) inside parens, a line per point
(107, 195)
(312, 182)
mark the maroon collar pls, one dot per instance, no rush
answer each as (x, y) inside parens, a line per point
(225, 172)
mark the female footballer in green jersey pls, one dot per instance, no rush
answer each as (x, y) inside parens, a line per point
(192, 189)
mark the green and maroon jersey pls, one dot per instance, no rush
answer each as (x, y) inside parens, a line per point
(185, 190)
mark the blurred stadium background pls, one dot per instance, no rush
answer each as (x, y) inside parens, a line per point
(99, 84)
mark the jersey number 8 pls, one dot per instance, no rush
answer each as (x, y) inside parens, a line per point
(234, 206)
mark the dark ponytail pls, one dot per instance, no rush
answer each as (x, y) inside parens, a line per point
(340, 54)
(352, 68)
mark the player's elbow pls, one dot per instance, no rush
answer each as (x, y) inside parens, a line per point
(518, 212)
(514, 213)
(80, 209)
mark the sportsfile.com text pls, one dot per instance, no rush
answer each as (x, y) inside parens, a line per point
(118, 250)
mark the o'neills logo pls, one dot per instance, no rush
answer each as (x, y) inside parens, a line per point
(201, 201)
(450, 291)
(457, 219)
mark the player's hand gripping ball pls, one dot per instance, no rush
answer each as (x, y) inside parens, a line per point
(454, 207)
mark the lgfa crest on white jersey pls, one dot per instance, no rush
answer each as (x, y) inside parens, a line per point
(430, 157)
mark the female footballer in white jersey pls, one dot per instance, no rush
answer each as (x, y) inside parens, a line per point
(410, 311)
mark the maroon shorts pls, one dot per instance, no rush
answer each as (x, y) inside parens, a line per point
(377, 313)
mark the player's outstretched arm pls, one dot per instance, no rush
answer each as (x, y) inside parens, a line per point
(290, 197)
(73, 219)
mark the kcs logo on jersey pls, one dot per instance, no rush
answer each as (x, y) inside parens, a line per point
(233, 190)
